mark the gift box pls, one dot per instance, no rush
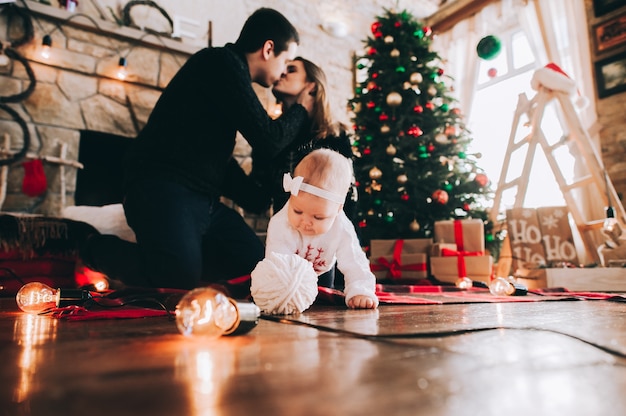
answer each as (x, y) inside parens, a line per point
(599, 279)
(447, 264)
(400, 260)
(468, 235)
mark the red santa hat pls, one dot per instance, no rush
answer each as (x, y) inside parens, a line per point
(554, 78)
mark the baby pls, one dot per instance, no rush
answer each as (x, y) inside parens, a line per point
(313, 225)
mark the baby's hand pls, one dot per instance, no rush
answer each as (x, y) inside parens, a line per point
(361, 302)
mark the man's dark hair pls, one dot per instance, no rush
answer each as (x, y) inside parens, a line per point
(266, 24)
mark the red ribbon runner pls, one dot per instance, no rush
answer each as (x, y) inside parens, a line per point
(395, 267)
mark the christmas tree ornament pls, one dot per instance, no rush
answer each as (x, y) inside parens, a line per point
(492, 72)
(488, 47)
(481, 179)
(419, 33)
(432, 90)
(383, 117)
(427, 30)
(370, 104)
(372, 51)
(389, 217)
(376, 186)
(429, 106)
(407, 85)
(441, 138)
(376, 26)
(404, 197)
(394, 99)
(450, 131)
(357, 108)
(394, 53)
(414, 131)
(440, 196)
(369, 138)
(371, 86)
(444, 107)
(418, 109)
(431, 147)
(384, 129)
(370, 213)
(414, 226)
(375, 75)
(375, 173)
(402, 179)
(400, 69)
(416, 78)
(391, 150)
(447, 186)
(388, 39)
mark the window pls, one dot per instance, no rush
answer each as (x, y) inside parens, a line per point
(500, 81)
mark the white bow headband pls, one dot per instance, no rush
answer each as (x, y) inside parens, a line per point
(295, 185)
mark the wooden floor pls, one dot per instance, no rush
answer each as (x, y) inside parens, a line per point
(547, 358)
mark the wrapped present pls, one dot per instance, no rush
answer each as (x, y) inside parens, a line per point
(399, 260)
(447, 264)
(468, 235)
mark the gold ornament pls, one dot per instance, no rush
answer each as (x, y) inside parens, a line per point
(416, 78)
(388, 39)
(414, 226)
(402, 179)
(357, 107)
(384, 129)
(391, 150)
(441, 138)
(394, 99)
(407, 85)
(370, 212)
(432, 90)
(394, 53)
(376, 186)
(375, 173)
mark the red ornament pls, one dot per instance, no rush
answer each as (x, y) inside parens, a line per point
(414, 131)
(440, 196)
(371, 86)
(376, 27)
(375, 75)
(397, 24)
(383, 117)
(404, 197)
(371, 104)
(372, 51)
(440, 71)
(492, 72)
(430, 106)
(431, 147)
(481, 179)
(378, 34)
(427, 30)
(466, 207)
(367, 151)
(362, 224)
(418, 109)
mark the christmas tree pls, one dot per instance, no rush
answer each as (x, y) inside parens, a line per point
(411, 166)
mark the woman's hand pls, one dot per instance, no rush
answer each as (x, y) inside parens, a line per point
(361, 302)
(306, 97)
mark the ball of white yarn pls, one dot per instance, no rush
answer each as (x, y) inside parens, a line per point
(283, 284)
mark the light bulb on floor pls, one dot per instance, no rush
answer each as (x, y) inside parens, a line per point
(37, 297)
(501, 286)
(208, 313)
(464, 283)
(611, 229)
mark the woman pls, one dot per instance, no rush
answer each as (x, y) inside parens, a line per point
(264, 186)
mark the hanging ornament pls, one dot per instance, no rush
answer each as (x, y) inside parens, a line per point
(362, 224)
(447, 186)
(389, 217)
(394, 53)
(391, 150)
(432, 90)
(376, 26)
(404, 197)
(481, 179)
(431, 147)
(383, 117)
(441, 138)
(371, 212)
(384, 129)
(407, 85)
(418, 109)
(402, 179)
(450, 130)
(375, 173)
(371, 86)
(367, 151)
(440, 196)
(492, 72)
(430, 106)
(370, 104)
(357, 107)
(369, 137)
(414, 226)
(400, 69)
(416, 78)
(427, 30)
(414, 131)
(488, 48)
(388, 39)
(466, 207)
(375, 75)
(394, 99)
(372, 51)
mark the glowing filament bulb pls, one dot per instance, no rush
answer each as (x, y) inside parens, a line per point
(501, 286)
(46, 43)
(37, 297)
(121, 69)
(464, 283)
(208, 313)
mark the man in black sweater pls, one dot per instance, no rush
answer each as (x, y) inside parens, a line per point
(176, 167)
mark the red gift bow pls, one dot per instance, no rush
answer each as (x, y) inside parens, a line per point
(460, 256)
(395, 268)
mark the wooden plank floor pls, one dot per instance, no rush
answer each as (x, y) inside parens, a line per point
(553, 358)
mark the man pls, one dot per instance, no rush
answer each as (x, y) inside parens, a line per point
(177, 165)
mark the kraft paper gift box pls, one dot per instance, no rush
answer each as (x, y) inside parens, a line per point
(399, 260)
(447, 264)
(468, 235)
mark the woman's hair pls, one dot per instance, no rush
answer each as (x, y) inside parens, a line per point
(326, 169)
(266, 24)
(323, 124)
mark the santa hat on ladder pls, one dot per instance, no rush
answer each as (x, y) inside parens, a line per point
(554, 78)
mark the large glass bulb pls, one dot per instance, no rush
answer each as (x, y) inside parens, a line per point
(501, 286)
(37, 297)
(208, 313)
(611, 229)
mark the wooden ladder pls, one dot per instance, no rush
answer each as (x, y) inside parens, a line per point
(585, 154)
